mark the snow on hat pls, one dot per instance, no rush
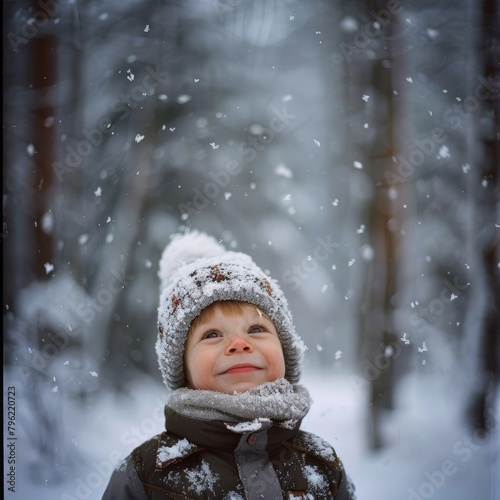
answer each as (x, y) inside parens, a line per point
(196, 271)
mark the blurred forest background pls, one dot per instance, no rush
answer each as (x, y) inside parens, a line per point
(351, 147)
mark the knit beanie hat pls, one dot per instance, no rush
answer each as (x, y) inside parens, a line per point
(196, 271)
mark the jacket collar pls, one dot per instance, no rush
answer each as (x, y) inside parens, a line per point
(215, 434)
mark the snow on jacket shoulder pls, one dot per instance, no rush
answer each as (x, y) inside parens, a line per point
(206, 460)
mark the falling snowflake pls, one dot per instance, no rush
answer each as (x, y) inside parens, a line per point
(98, 191)
(357, 164)
(405, 338)
(283, 170)
(130, 75)
(423, 348)
(48, 267)
(139, 138)
(184, 98)
(317, 143)
(227, 196)
(214, 146)
(146, 29)
(351, 262)
(444, 152)
(319, 348)
(94, 374)
(409, 79)
(55, 389)
(335, 202)
(338, 354)
(365, 97)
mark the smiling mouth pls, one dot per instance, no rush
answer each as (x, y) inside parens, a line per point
(241, 369)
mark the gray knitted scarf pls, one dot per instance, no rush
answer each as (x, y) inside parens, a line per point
(278, 400)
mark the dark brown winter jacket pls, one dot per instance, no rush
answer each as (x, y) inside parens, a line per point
(197, 459)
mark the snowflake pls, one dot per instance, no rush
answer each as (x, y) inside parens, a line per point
(423, 348)
(184, 98)
(283, 171)
(405, 338)
(444, 152)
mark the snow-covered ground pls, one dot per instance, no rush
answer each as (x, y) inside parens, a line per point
(430, 452)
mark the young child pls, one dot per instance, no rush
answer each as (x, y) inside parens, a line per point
(228, 350)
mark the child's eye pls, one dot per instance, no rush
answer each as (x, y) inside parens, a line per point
(256, 329)
(210, 335)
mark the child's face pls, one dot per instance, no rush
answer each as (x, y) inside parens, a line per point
(233, 353)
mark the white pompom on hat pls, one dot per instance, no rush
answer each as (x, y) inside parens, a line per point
(196, 271)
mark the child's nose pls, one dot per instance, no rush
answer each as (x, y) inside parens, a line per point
(238, 344)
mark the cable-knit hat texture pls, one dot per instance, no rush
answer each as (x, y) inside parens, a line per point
(196, 271)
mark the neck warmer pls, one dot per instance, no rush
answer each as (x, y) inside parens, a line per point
(278, 400)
